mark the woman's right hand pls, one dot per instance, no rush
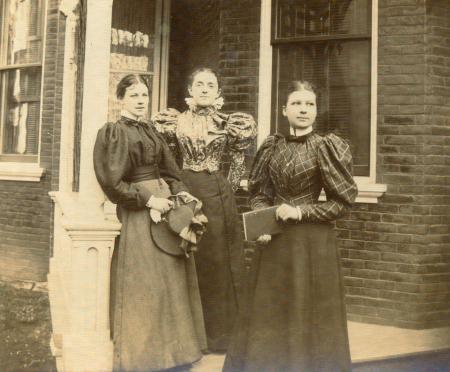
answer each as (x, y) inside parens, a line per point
(264, 239)
(162, 205)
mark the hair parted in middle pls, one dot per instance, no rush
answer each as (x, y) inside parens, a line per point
(298, 85)
(127, 81)
(197, 70)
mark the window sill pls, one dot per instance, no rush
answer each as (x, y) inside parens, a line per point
(367, 192)
(30, 172)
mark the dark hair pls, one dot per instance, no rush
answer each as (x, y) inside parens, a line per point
(298, 85)
(127, 81)
(194, 73)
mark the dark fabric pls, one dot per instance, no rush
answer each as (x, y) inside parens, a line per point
(120, 149)
(293, 314)
(293, 317)
(301, 168)
(157, 314)
(219, 255)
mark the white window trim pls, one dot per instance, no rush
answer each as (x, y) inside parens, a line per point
(11, 171)
(368, 190)
(23, 171)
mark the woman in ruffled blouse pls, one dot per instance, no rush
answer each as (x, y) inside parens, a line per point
(157, 314)
(198, 137)
(294, 315)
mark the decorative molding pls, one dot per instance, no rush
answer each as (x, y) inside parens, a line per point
(78, 283)
(30, 172)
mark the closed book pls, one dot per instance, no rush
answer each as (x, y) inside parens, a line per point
(260, 222)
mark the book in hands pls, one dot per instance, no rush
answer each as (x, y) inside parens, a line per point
(260, 222)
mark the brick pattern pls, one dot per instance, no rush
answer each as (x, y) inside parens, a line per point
(239, 54)
(395, 253)
(25, 221)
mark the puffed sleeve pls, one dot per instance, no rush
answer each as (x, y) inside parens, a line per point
(241, 129)
(260, 186)
(112, 163)
(165, 122)
(335, 162)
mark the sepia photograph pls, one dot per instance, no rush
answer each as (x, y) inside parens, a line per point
(225, 185)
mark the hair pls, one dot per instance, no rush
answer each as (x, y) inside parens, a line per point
(299, 85)
(127, 81)
(198, 70)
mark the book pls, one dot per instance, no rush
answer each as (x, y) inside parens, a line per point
(260, 222)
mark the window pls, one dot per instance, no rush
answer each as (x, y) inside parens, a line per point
(133, 49)
(328, 43)
(21, 35)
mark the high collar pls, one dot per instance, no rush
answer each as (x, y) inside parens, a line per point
(128, 117)
(204, 110)
(299, 139)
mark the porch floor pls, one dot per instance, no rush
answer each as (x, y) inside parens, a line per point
(369, 342)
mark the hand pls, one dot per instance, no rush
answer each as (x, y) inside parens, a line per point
(286, 212)
(264, 239)
(162, 205)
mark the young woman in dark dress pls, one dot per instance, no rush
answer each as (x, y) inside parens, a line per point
(294, 318)
(157, 317)
(199, 137)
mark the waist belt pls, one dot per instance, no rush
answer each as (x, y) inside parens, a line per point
(144, 173)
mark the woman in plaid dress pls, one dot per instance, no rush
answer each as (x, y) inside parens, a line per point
(294, 318)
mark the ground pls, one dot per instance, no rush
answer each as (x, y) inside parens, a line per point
(25, 328)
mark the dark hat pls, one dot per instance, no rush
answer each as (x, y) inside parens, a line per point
(165, 234)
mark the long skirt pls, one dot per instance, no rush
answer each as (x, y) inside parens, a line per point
(293, 317)
(219, 255)
(157, 315)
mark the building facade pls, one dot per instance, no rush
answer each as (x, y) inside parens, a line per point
(382, 69)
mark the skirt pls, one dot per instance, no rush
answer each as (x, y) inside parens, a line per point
(157, 316)
(293, 317)
(219, 256)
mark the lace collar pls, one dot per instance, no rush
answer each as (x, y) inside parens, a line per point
(201, 110)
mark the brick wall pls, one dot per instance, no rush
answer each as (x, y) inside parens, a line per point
(396, 253)
(25, 221)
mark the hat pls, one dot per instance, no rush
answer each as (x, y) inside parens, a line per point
(166, 234)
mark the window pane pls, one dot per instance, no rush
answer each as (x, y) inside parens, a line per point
(341, 72)
(132, 44)
(24, 18)
(21, 120)
(297, 18)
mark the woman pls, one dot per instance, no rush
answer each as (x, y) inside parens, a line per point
(199, 137)
(157, 318)
(294, 318)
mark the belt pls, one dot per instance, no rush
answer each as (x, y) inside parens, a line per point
(144, 173)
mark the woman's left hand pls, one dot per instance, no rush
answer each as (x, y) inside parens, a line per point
(286, 212)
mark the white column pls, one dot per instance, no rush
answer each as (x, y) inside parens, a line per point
(95, 90)
(84, 238)
(265, 73)
(68, 7)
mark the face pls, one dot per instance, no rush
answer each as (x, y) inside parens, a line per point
(301, 109)
(135, 100)
(204, 89)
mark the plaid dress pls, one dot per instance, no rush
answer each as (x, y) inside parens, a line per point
(294, 315)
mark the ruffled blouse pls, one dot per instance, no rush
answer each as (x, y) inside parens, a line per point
(294, 170)
(199, 136)
(127, 152)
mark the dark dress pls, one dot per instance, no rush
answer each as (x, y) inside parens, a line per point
(157, 316)
(198, 138)
(294, 315)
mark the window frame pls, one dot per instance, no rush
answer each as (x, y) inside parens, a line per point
(369, 190)
(17, 167)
